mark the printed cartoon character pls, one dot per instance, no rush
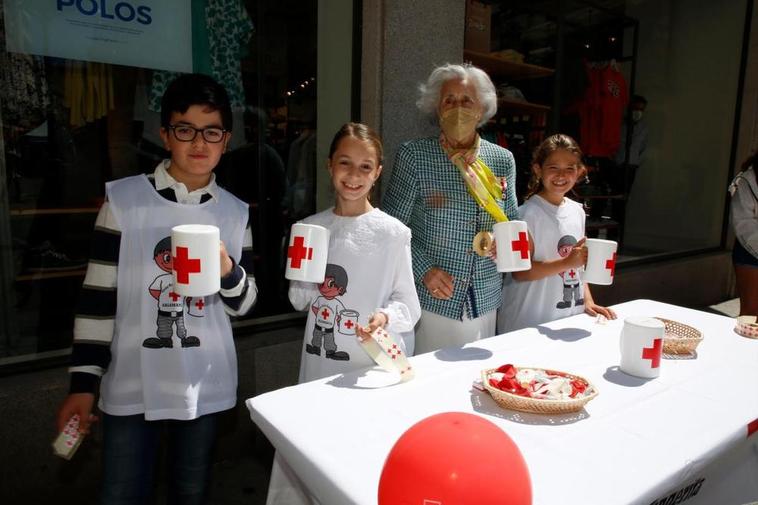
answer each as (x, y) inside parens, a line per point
(327, 309)
(170, 303)
(572, 289)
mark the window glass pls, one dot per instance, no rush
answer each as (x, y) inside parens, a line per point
(76, 117)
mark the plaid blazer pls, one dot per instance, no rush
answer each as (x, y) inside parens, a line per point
(427, 193)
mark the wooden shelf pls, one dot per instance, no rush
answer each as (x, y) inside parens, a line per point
(50, 212)
(504, 104)
(33, 276)
(499, 67)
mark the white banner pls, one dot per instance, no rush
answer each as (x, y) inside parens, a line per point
(138, 33)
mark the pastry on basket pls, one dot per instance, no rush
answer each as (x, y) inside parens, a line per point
(537, 390)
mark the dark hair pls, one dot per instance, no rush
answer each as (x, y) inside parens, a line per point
(359, 131)
(163, 245)
(638, 99)
(195, 89)
(545, 149)
(339, 275)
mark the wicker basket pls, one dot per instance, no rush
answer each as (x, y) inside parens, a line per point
(679, 337)
(747, 326)
(536, 405)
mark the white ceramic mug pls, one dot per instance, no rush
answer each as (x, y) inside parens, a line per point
(196, 259)
(601, 261)
(512, 241)
(642, 346)
(307, 252)
(348, 320)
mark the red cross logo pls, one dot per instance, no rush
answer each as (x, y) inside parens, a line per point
(394, 351)
(200, 304)
(349, 324)
(174, 296)
(184, 265)
(572, 273)
(653, 353)
(325, 314)
(521, 245)
(297, 252)
(611, 265)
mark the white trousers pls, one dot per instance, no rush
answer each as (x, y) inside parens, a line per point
(434, 332)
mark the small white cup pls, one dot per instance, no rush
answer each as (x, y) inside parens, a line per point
(348, 319)
(196, 259)
(601, 261)
(307, 252)
(642, 346)
(512, 241)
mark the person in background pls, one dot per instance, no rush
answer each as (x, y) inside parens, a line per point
(163, 365)
(368, 276)
(552, 288)
(451, 190)
(744, 218)
(637, 147)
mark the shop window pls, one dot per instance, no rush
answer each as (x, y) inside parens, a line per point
(648, 88)
(71, 123)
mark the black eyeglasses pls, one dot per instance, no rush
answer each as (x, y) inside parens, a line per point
(186, 133)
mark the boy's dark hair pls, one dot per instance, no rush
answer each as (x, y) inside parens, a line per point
(195, 89)
(339, 275)
(163, 245)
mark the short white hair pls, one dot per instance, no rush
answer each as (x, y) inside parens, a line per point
(428, 102)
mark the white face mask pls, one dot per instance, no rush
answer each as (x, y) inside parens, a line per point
(636, 115)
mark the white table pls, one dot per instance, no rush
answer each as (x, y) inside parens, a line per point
(638, 442)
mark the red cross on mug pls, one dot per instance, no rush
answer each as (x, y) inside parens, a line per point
(297, 252)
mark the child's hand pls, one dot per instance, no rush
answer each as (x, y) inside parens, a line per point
(77, 403)
(492, 253)
(594, 309)
(578, 255)
(226, 262)
(378, 320)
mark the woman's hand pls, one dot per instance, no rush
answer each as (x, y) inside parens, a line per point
(439, 283)
(378, 320)
(226, 262)
(77, 403)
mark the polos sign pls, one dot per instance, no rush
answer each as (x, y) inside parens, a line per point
(105, 9)
(122, 32)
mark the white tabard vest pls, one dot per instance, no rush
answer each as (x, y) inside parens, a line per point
(167, 382)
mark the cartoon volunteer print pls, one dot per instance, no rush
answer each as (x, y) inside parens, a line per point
(170, 304)
(331, 313)
(572, 289)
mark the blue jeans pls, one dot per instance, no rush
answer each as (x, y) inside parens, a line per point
(130, 449)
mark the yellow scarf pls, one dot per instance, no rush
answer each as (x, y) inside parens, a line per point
(480, 181)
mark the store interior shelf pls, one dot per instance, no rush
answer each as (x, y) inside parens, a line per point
(33, 276)
(499, 67)
(58, 211)
(511, 105)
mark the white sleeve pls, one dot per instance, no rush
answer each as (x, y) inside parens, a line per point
(403, 309)
(302, 293)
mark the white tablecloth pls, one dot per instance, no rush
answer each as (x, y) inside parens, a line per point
(638, 442)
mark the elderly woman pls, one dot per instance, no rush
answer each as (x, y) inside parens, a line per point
(450, 190)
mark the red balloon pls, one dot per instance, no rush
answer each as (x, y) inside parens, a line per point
(455, 458)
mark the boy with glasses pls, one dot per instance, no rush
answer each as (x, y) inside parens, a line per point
(148, 385)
